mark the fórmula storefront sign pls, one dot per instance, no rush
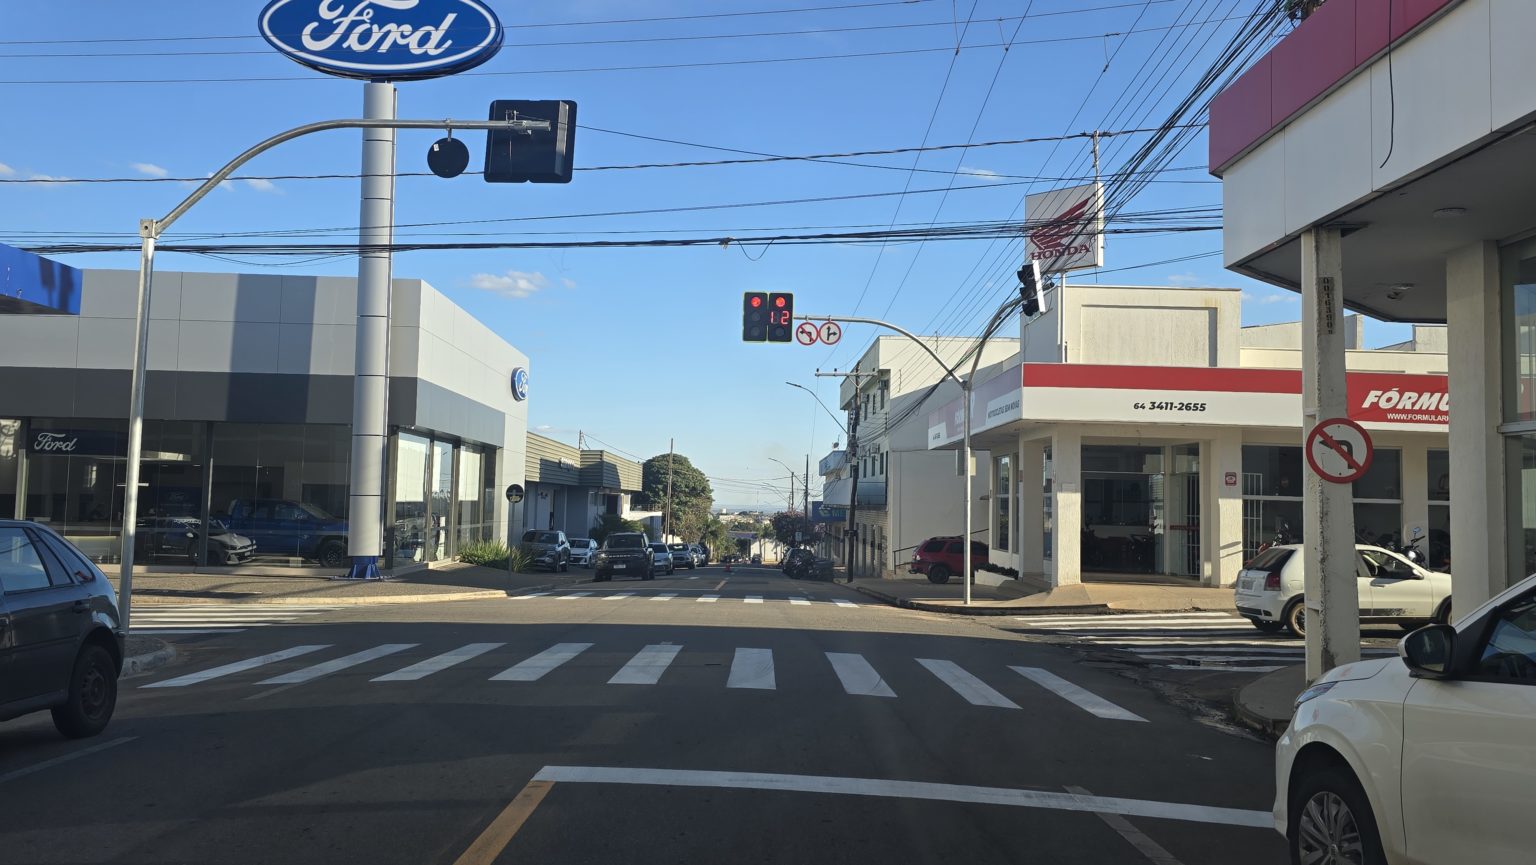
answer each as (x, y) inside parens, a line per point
(383, 40)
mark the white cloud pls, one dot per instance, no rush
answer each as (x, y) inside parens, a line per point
(568, 283)
(45, 179)
(1270, 297)
(1185, 280)
(513, 283)
(980, 173)
(6, 170)
(261, 184)
(225, 185)
(149, 168)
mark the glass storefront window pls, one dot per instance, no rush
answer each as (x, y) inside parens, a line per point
(440, 499)
(410, 498)
(1269, 470)
(1272, 497)
(1525, 488)
(1384, 479)
(1519, 278)
(1437, 542)
(1002, 494)
(283, 486)
(1047, 511)
(471, 496)
(10, 465)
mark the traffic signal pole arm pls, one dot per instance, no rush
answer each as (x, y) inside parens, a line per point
(149, 233)
(948, 370)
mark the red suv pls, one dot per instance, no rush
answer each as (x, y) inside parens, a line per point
(941, 557)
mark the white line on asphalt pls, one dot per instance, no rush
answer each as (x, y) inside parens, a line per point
(708, 599)
(573, 595)
(175, 632)
(857, 676)
(1222, 667)
(800, 602)
(64, 758)
(646, 667)
(1152, 629)
(666, 597)
(254, 606)
(842, 603)
(1117, 617)
(752, 668)
(615, 597)
(533, 595)
(1201, 656)
(236, 667)
(1259, 652)
(422, 669)
(309, 674)
(1135, 837)
(907, 790)
(534, 668)
(753, 599)
(213, 615)
(975, 691)
(1077, 695)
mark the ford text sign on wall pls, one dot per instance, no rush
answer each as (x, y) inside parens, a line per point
(383, 40)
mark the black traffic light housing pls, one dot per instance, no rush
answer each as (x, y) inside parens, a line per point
(531, 155)
(754, 316)
(781, 316)
(1029, 288)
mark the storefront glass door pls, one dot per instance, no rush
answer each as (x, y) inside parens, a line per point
(440, 501)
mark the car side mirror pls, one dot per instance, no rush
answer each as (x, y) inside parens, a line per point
(1428, 651)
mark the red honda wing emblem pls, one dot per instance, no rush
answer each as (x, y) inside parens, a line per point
(1054, 233)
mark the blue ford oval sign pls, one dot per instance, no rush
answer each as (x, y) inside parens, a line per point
(519, 384)
(383, 40)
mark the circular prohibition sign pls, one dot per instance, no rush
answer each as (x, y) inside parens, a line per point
(1339, 450)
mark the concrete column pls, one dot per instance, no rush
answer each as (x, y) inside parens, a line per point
(1415, 491)
(1221, 513)
(1067, 507)
(1328, 517)
(1481, 517)
(1031, 484)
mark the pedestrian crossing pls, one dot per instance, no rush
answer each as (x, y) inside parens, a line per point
(797, 600)
(1181, 641)
(751, 669)
(231, 618)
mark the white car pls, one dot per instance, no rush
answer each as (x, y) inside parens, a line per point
(1429, 759)
(583, 551)
(1393, 590)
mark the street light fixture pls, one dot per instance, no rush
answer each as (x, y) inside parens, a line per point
(822, 404)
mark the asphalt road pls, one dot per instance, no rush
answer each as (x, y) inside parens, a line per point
(767, 723)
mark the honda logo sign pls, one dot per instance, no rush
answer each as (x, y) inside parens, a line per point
(1065, 228)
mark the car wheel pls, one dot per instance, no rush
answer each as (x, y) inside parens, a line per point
(1295, 618)
(1331, 821)
(92, 694)
(333, 554)
(600, 577)
(1267, 627)
(565, 566)
(938, 575)
(217, 557)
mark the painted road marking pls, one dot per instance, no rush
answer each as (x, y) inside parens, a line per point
(857, 676)
(422, 669)
(842, 603)
(574, 595)
(534, 668)
(491, 842)
(325, 669)
(753, 599)
(909, 790)
(236, 667)
(533, 595)
(708, 599)
(752, 668)
(1076, 695)
(646, 667)
(666, 597)
(975, 691)
(619, 595)
(801, 602)
(1135, 837)
(64, 758)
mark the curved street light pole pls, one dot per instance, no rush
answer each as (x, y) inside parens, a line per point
(822, 404)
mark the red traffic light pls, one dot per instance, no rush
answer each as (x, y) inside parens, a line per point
(778, 301)
(756, 301)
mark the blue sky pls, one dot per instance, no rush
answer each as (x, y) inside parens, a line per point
(635, 346)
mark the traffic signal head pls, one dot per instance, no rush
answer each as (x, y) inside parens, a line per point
(531, 155)
(754, 316)
(781, 316)
(1029, 288)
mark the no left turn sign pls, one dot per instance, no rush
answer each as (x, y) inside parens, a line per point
(805, 334)
(1339, 450)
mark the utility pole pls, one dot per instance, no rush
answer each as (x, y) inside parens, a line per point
(666, 519)
(806, 491)
(853, 463)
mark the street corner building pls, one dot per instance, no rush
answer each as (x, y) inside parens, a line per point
(1141, 432)
(248, 407)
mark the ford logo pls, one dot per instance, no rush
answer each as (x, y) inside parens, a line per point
(383, 40)
(519, 384)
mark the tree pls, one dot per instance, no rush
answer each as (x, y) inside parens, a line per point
(608, 524)
(786, 524)
(717, 537)
(692, 496)
(744, 546)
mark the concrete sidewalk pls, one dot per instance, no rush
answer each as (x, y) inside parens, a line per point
(1018, 597)
(454, 582)
(1266, 703)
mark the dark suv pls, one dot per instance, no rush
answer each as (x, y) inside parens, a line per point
(61, 641)
(625, 553)
(548, 549)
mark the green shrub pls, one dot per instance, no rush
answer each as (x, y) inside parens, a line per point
(493, 554)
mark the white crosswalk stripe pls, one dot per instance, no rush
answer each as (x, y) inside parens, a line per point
(182, 619)
(666, 597)
(799, 600)
(1181, 641)
(751, 668)
(708, 599)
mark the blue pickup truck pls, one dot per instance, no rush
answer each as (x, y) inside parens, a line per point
(280, 527)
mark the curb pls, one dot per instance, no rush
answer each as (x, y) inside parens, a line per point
(342, 600)
(140, 664)
(1274, 728)
(1095, 609)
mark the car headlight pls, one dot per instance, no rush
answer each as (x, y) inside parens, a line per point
(1313, 693)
